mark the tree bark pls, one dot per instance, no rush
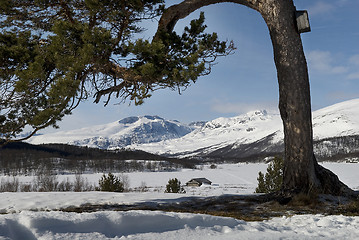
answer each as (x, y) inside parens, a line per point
(302, 174)
(294, 96)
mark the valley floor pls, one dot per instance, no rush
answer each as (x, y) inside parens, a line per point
(38, 215)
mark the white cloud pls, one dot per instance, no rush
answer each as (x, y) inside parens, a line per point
(321, 8)
(240, 108)
(339, 69)
(354, 64)
(340, 96)
(322, 61)
(353, 75)
(354, 60)
(319, 60)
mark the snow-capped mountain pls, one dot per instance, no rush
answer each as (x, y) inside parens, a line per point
(258, 132)
(131, 130)
(335, 129)
(341, 119)
(218, 133)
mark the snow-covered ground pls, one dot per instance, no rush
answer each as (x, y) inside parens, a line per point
(34, 216)
(161, 225)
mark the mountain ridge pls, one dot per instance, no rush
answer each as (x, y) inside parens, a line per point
(252, 129)
(119, 134)
(256, 132)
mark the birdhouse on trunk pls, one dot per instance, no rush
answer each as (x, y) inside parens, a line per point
(302, 21)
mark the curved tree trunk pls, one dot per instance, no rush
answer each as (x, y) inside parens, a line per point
(302, 174)
(301, 170)
(294, 97)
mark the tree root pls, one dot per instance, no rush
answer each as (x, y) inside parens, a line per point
(330, 184)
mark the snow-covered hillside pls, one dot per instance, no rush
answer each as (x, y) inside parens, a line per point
(249, 134)
(341, 119)
(258, 131)
(221, 132)
(131, 130)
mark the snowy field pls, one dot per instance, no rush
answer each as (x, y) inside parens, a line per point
(33, 215)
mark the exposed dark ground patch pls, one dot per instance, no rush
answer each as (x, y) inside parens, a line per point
(243, 207)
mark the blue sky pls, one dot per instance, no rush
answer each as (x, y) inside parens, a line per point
(246, 80)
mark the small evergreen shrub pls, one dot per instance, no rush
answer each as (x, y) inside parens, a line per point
(174, 186)
(273, 178)
(110, 183)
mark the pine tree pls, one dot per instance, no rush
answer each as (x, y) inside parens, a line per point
(261, 188)
(55, 54)
(110, 183)
(174, 186)
(273, 179)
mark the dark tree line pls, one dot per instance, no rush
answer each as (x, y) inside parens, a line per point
(22, 158)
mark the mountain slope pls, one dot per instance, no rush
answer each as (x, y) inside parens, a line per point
(259, 132)
(221, 132)
(254, 133)
(131, 130)
(341, 119)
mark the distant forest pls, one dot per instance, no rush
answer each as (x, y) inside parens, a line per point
(28, 159)
(24, 158)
